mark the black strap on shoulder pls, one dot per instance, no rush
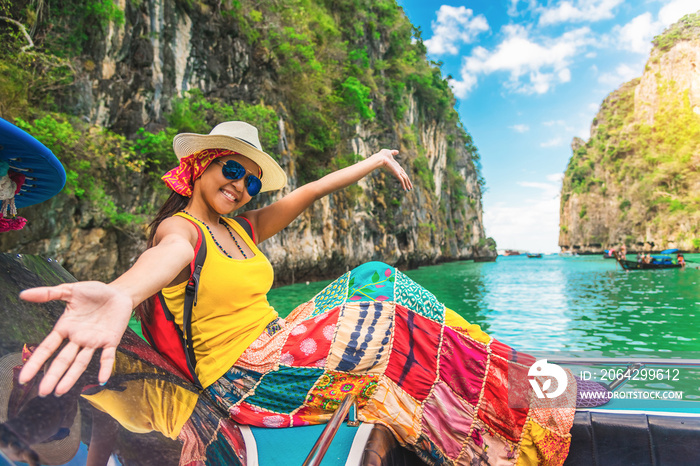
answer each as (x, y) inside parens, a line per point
(245, 223)
(191, 300)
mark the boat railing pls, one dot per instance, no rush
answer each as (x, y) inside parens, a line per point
(321, 446)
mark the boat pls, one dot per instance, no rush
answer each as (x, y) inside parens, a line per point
(511, 252)
(609, 254)
(622, 432)
(658, 262)
(535, 256)
(44, 176)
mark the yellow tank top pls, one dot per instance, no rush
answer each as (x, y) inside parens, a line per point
(232, 308)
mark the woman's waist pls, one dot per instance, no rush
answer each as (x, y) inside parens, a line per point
(217, 330)
(215, 353)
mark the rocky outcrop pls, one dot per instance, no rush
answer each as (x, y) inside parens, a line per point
(635, 181)
(130, 74)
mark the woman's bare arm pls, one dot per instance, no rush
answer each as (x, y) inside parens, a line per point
(269, 220)
(97, 314)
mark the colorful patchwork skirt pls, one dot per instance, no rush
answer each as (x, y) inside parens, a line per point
(450, 393)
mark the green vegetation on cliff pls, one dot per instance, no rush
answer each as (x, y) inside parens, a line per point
(106, 87)
(335, 63)
(688, 28)
(644, 153)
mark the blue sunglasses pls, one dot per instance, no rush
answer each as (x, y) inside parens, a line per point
(234, 171)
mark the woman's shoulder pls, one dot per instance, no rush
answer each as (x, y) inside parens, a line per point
(177, 225)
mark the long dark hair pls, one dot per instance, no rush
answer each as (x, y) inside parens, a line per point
(175, 203)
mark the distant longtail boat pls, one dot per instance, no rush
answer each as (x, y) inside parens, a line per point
(657, 262)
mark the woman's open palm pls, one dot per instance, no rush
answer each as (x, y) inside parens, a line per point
(96, 316)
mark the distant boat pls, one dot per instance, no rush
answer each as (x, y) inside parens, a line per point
(609, 254)
(511, 252)
(535, 256)
(657, 262)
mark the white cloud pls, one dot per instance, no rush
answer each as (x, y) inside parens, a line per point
(520, 128)
(454, 26)
(513, 7)
(554, 142)
(636, 35)
(549, 190)
(675, 10)
(534, 66)
(462, 88)
(564, 75)
(556, 178)
(583, 10)
(534, 184)
(622, 74)
(532, 222)
(539, 83)
(561, 124)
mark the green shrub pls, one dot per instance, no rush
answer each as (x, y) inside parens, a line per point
(346, 160)
(97, 162)
(421, 168)
(676, 205)
(687, 28)
(356, 96)
(77, 23)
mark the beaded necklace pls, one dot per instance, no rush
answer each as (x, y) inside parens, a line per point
(230, 232)
(221, 248)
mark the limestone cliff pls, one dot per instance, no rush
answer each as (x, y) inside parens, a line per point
(636, 180)
(327, 83)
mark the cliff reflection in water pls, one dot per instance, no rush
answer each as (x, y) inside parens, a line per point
(145, 414)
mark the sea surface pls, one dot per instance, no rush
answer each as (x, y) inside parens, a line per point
(581, 306)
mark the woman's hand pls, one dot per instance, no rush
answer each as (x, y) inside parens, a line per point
(387, 159)
(96, 316)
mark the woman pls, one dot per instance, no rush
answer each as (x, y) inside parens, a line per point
(442, 386)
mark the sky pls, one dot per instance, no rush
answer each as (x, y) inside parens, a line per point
(529, 76)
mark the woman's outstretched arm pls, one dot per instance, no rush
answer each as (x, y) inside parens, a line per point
(97, 314)
(269, 220)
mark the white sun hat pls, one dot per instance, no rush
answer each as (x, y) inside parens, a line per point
(237, 136)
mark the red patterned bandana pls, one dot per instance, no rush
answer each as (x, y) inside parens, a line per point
(181, 178)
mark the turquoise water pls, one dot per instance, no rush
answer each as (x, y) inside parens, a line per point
(583, 306)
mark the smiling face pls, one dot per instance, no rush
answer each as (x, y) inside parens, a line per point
(216, 193)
